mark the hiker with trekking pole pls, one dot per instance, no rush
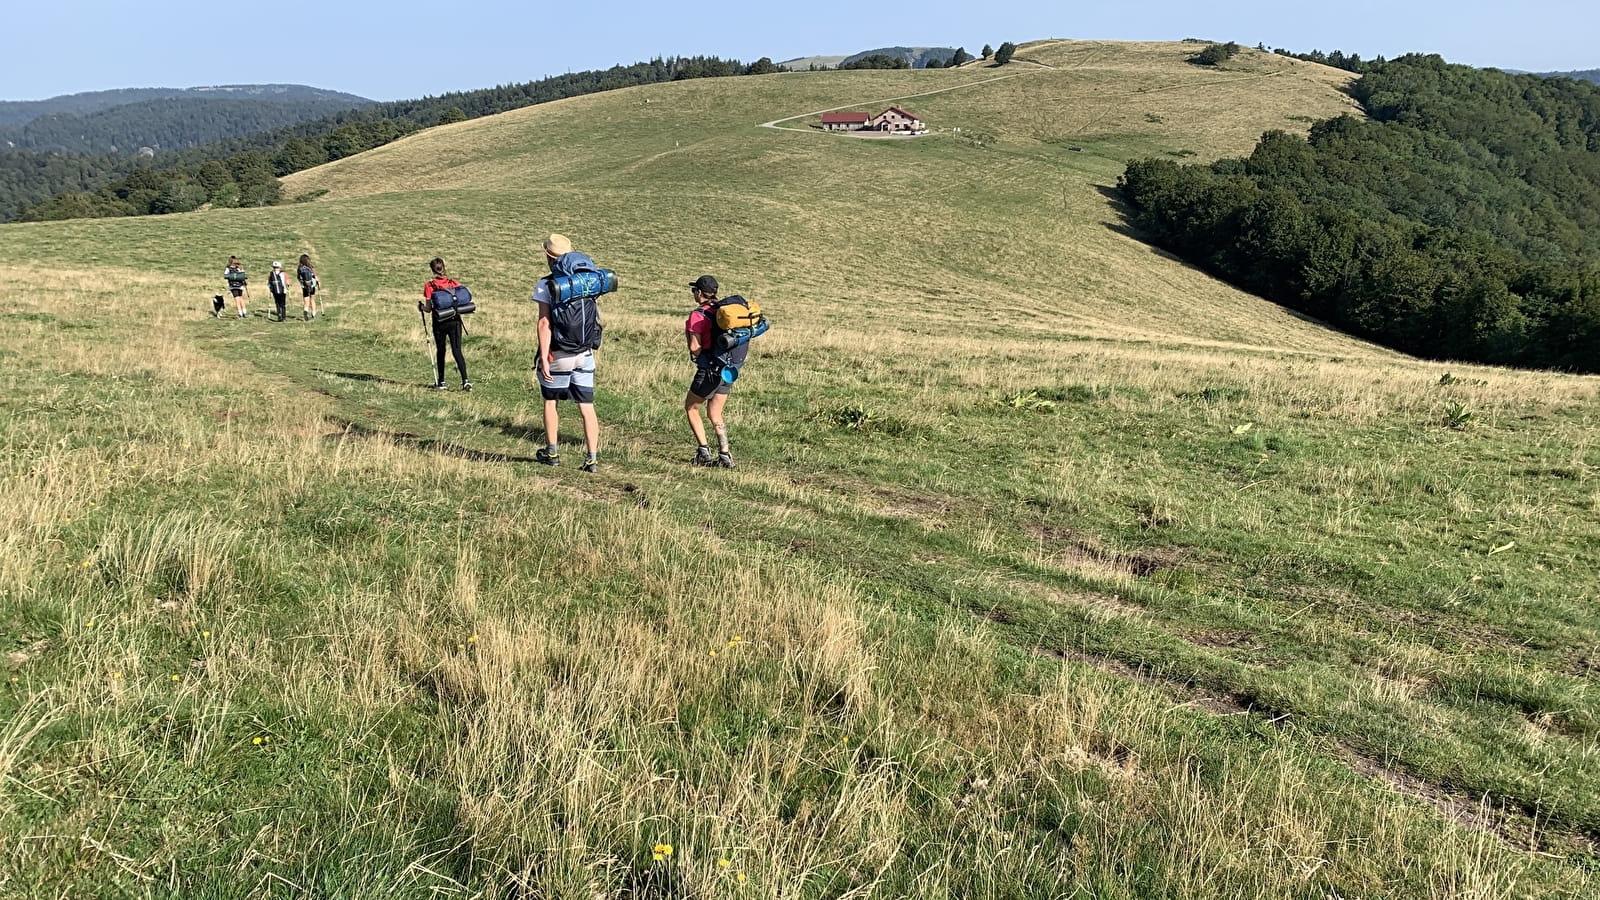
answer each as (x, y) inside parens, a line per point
(307, 276)
(238, 284)
(448, 300)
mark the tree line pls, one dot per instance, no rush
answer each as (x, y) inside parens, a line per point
(244, 171)
(1460, 220)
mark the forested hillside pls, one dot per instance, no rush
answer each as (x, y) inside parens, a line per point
(21, 112)
(244, 170)
(1461, 220)
(169, 123)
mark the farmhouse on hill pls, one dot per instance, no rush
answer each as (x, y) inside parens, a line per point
(893, 120)
(845, 121)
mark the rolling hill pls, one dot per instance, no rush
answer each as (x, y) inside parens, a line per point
(1053, 566)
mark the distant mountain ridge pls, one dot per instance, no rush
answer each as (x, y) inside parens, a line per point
(916, 56)
(1581, 75)
(20, 112)
(196, 117)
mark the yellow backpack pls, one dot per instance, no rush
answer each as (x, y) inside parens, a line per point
(736, 312)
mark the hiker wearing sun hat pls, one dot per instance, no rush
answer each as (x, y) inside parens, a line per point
(278, 287)
(569, 333)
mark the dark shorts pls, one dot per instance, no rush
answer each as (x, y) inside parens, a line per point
(308, 292)
(236, 291)
(708, 381)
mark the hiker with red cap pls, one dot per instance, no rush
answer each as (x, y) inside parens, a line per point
(569, 333)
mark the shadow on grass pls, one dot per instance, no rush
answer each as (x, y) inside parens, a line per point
(350, 429)
(369, 377)
(510, 429)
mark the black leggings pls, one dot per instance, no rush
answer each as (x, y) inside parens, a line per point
(451, 331)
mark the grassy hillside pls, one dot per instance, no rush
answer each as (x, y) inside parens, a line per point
(1052, 568)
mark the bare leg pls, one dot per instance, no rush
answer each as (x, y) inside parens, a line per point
(691, 409)
(591, 428)
(714, 410)
(552, 422)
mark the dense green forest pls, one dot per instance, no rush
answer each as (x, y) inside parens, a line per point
(1460, 220)
(244, 171)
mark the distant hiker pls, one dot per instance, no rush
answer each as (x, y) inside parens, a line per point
(446, 322)
(238, 283)
(307, 274)
(718, 333)
(569, 333)
(278, 285)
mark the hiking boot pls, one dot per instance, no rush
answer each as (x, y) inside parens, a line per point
(438, 386)
(703, 457)
(591, 465)
(305, 315)
(466, 386)
(725, 461)
(545, 456)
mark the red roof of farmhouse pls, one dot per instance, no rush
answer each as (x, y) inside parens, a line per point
(845, 118)
(900, 111)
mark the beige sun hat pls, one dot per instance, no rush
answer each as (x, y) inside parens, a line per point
(557, 246)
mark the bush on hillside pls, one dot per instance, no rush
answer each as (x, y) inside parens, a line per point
(1215, 54)
(1004, 54)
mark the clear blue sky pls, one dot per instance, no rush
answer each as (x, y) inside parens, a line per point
(405, 49)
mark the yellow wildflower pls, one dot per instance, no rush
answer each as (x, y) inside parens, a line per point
(205, 634)
(713, 653)
(741, 878)
(663, 849)
(473, 639)
(256, 741)
(177, 678)
(724, 863)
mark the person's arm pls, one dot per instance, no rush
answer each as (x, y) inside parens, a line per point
(541, 298)
(692, 333)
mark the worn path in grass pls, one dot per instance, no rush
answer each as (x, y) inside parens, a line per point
(1188, 615)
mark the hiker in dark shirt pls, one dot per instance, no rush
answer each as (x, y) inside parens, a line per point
(278, 286)
(446, 331)
(238, 283)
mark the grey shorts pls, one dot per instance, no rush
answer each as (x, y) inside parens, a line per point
(571, 378)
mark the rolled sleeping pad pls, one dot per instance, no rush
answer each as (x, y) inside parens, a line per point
(733, 337)
(582, 284)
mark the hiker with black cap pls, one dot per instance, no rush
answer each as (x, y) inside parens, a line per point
(714, 373)
(569, 333)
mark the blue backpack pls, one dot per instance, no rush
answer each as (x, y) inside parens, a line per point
(574, 276)
(575, 285)
(451, 302)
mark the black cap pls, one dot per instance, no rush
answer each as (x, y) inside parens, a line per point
(705, 284)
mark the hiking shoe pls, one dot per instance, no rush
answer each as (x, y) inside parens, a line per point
(305, 315)
(592, 465)
(545, 456)
(438, 386)
(725, 461)
(466, 386)
(703, 457)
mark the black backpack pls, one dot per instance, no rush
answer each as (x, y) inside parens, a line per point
(574, 324)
